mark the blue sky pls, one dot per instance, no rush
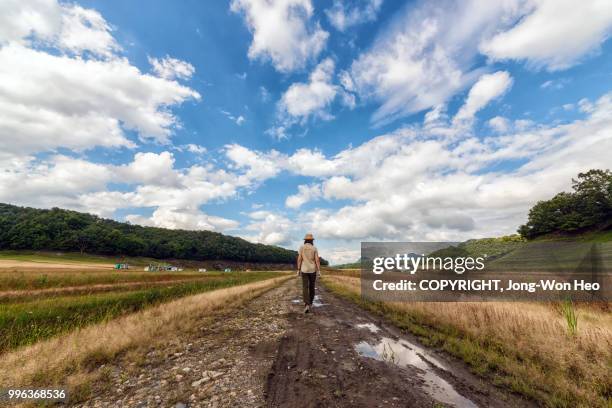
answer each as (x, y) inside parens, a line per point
(363, 120)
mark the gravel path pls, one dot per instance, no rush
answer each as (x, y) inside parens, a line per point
(270, 354)
(224, 364)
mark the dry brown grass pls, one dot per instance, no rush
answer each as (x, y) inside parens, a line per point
(527, 345)
(69, 359)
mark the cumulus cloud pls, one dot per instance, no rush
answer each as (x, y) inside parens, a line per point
(191, 219)
(303, 100)
(425, 56)
(554, 34)
(269, 228)
(305, 194)
(69, 27)
(343, 17)
(86, 95)
(413, 185)
(487, 88)
(171, 68)
(499, 124)
(429, 52)
(283, 31)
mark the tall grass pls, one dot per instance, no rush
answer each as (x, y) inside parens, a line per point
(519, 345)
(26, 323)
(71, 359)
(32, 279)
(569, 312)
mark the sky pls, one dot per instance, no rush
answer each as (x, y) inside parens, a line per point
(366, 120)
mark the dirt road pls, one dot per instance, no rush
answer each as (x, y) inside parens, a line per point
(271, 354)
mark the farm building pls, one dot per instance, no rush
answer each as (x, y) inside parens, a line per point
(202, 270)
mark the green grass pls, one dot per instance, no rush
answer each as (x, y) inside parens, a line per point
(71, 257)
(26, 323)
(32, 280)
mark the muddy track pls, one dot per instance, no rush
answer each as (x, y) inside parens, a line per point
(342, 356)
(269, 353)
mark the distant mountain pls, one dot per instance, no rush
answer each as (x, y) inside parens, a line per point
(23, 228)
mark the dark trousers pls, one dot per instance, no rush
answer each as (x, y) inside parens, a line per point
(308, 287)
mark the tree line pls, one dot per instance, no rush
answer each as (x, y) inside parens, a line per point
(56, 229)
(588, 207)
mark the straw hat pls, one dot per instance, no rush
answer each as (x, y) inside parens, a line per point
(308, 236)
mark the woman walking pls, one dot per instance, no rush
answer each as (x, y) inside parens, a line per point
(308, 266)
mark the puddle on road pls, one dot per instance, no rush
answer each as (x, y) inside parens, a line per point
(370, 326)
(315, 303)
(403, 353)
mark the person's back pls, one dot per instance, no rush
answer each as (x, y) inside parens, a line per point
(309, 253)
(308, 265)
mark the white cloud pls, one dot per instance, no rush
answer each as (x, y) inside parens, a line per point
(343, 17)
(57, 181)
(303, 100)
(21, 19)
(194, 148)
(68, 27)
(554, 34)
(269, 228)
(51, 99)
(431, 189)
(499, 124)
(171, 68)
(283, 31)
(257, 166)
(264, 94)
(239, 120)
(487, 88)
(150, 168)
(413, 185)
(190, 219)
(85, 30)
(425, 56)
(429, 51)
(305, 194)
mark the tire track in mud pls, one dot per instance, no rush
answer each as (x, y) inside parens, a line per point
(343, 356)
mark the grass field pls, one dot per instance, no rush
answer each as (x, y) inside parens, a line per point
(525, 347)
(74, 359)
(70, 257)
(36, 279)
(23, 323)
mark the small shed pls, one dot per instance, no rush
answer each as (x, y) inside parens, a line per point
(122, 266)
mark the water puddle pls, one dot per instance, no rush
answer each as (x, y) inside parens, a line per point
(315, 303)
(370, 326)
(404, 353)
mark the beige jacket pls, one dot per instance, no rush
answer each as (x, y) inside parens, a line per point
(309, 255)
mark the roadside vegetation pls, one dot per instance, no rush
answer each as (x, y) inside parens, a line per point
(36, 279)
(76, 359)
(556, 354)
(588, 207)
(26, 322)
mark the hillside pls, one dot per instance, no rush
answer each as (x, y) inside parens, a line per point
(23, 228)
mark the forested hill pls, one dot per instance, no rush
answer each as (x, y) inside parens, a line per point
(64, 230)
(587, 208)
